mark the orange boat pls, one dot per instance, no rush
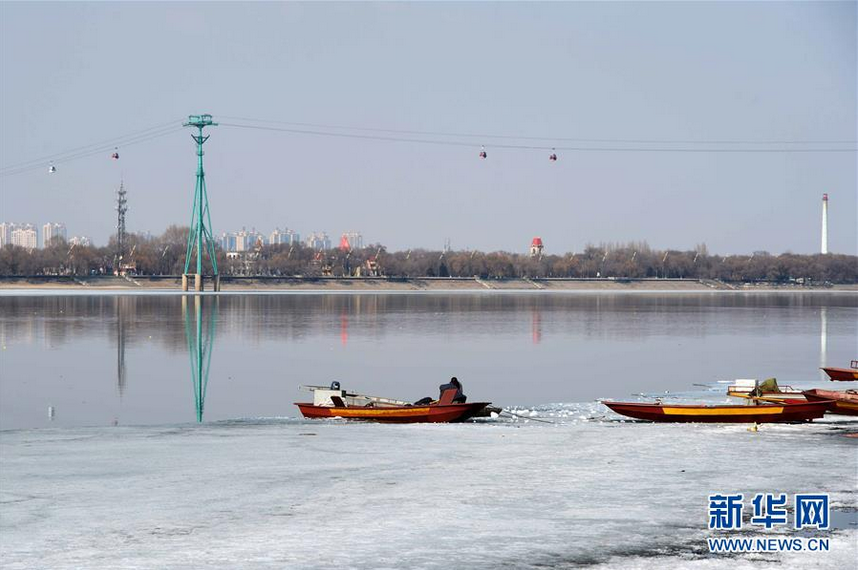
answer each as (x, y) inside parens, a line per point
(763, 413)
(432, 413)
(335, 403)
(844, 403)
(843, 374)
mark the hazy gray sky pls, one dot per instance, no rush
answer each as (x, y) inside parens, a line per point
(74, 74)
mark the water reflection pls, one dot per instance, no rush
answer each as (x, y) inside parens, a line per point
(127, 320)
(200, 345)
(823, 341)
(536, 325)
(99, 357)
(123, 306)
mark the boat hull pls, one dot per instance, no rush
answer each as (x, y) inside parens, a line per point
(842, 402)
(842, 374)
(397, 414)
(768, 413)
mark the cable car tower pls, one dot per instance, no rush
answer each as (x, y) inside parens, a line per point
(200, 236)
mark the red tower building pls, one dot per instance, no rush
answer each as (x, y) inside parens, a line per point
(344, 243)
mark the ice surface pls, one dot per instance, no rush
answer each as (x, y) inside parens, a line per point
(589, 490)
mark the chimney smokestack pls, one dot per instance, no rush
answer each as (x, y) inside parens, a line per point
(824, 248)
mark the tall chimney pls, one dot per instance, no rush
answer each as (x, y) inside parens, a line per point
(824, 224)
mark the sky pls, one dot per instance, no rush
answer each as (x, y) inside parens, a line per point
(80, 73)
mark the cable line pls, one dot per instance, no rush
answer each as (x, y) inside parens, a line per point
(112, 142)
(85, 154)
(532, 147)
(440, 138)
(523, 137)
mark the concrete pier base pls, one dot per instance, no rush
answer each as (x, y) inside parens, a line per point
(199, 282)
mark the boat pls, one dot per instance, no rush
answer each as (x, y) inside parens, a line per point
(844, 403)
(332, 402)
(750, 388)
(843, 374)
(729, 413)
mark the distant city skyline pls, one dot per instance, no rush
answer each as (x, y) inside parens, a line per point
(33, 236)
(703, 139)
(29, 235)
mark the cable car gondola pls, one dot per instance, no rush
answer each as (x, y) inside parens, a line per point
(52, 169)
(115, 155)
(553, 156)
(483, 152)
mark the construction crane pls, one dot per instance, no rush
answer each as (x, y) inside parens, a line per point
(372, 267)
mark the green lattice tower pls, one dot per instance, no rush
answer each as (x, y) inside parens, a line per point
(200, 236)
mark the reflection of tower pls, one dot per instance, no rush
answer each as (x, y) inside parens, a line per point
(121, 321)
(536, 326)
(344, 327)
(199, 348)
(824, 248)
(823, 341)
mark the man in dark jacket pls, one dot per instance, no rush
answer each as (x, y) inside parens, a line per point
(460, 397)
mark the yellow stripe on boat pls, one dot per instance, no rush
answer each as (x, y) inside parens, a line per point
(740, 411)
(376, 412)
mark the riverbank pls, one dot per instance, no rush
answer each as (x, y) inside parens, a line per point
(374, 284)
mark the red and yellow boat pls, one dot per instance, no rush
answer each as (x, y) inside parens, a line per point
(336, 403)
(843, 374)
(759, 413)
(432, 413)
(844, 403)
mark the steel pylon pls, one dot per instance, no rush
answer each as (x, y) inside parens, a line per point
(200, 237)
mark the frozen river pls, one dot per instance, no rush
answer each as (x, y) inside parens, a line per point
(172, 442)
(295, 494)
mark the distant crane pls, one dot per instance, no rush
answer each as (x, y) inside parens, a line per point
(372, 267)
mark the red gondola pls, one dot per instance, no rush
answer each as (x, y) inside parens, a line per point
(552, 157)
(483, 152)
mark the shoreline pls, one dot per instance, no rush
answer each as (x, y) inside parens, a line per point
(295, 285)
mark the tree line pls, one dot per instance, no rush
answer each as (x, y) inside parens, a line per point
(165, 255)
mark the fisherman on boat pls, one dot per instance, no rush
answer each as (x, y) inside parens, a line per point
(454, 384)
(332, 401)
